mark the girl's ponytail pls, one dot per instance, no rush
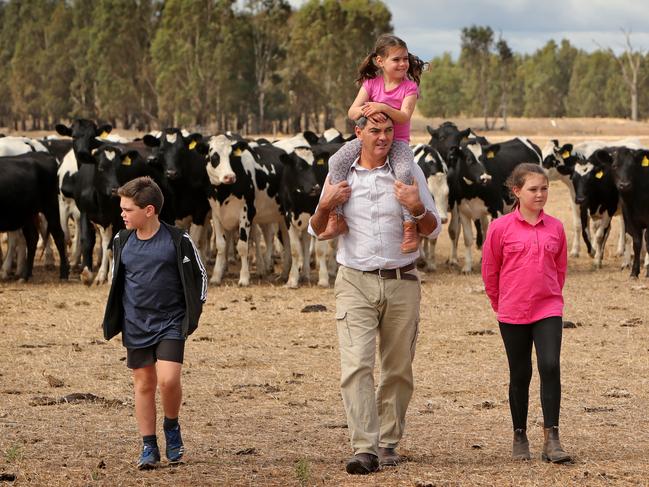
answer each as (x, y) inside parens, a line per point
(417, 66)
(367, 69)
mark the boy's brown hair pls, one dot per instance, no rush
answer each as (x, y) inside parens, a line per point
(144, 192)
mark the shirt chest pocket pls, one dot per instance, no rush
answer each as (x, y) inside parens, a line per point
(513, 248)
(551, 247)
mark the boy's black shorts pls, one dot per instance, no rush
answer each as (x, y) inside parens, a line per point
(171, 350)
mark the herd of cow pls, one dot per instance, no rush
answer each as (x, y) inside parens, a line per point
(254, 189)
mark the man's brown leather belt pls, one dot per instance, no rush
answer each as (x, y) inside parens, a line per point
(400, 273)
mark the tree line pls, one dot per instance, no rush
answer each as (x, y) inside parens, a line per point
(489, 80)
(264, 66)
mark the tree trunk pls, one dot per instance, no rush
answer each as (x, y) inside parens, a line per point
(634, 103)
(260, 127)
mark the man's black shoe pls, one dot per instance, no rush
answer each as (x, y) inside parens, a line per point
(362, 464)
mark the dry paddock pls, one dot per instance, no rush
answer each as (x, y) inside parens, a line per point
(261, 398)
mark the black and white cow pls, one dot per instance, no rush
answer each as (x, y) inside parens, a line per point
(598, 199)
(244, 190)
(436, 173)
(559, 161)
(630, 168)
(472, 196)
(303, 176)
(28, 186)
(184, 170)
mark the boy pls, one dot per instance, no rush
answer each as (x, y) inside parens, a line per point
(156, 297)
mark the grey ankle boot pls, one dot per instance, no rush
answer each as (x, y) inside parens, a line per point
(521, 447)
(552, 451)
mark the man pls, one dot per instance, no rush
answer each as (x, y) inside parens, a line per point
(377, 293)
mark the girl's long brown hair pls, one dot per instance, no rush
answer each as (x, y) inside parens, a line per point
(368, 69)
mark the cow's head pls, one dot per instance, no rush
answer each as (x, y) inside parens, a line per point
(435, 171)
(589, 172)
(108, 159)
(174, 147)
(629, 165)
(447, 135)
(299, 174)
(84, 135)
(559, 158)
(467, 164)
(223, 155)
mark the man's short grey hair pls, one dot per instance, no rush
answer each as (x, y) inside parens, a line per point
(362, 122)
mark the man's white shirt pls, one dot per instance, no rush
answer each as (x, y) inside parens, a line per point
(375, 219)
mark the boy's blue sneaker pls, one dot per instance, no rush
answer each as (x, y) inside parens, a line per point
(175, 448)
(149, 458)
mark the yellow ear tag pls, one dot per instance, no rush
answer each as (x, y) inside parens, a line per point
(103, 135)
(320, 162)
(126, 161)
(490, 154)
(645, 162)
(565, 154)
(599, 175)
(192, 144)
(237, 152)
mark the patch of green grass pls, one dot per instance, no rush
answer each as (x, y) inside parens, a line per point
(13, 453)
(302, 471)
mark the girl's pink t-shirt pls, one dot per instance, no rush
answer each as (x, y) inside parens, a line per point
(524, 268)
(376, 90)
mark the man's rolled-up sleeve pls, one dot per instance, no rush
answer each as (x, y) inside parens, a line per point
(427, 200)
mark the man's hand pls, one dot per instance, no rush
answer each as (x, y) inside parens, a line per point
(334, 195)
(408, 196)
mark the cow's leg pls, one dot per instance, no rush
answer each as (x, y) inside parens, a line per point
(197, 234)
(626, 259)
(297, 258)
(576, 222)
(45, 242)
(305, 240)
(601, 230)
(13, 242)
(467, 232)
(30, 231)
(484, 224)
(286, 253)
(266, 257)
(322, 254)
(242, 250)
(87, 243)
(102, 275)
(637, 248)
(75, 251)
(454, 234)
(221, 250)
(646, 251)
(585, 229)
(619, 251)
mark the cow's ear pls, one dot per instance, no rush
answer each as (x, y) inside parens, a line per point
(566, 150)
(202, 148)
(431, 131)
(238, 147)
(642, 157)
(555, 142)
(310, 137)
(192, 140)
(63, 130)
(288, 159)
(490, 151)
(151, 141)
(104, 130)
(128, 158)
(464, 134)
(602, 156)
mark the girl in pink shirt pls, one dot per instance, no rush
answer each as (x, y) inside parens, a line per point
(524, 262)
(389, 79)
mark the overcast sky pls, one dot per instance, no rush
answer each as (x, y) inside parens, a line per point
(433, 27)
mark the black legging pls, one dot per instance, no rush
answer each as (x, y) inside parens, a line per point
(546, 336)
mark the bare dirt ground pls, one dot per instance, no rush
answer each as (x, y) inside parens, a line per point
(261, 397)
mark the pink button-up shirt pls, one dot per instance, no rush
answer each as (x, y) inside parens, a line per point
(524, 267)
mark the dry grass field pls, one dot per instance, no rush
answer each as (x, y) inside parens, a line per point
(261, 397)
